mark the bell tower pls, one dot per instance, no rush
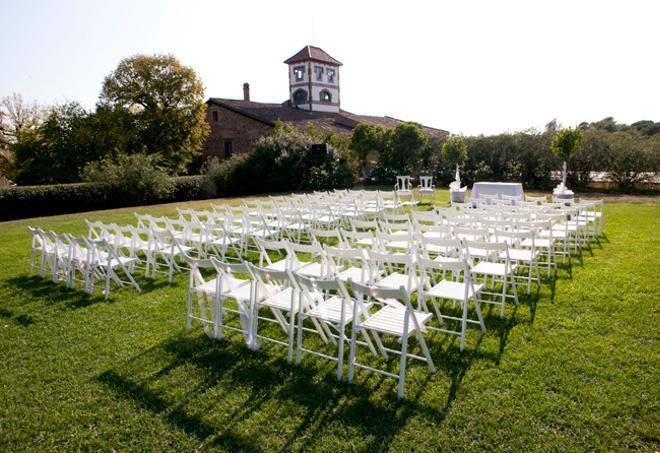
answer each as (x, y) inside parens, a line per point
(314, 80)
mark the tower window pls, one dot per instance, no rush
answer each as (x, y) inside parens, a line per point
(215, 116)
(318, 70)
(326, 96)
(299, 72)
(331, 75)
(229, 149)
(299, 96)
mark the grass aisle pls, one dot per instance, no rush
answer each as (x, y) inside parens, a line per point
(575, 367)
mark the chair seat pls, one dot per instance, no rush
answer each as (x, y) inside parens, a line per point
(366, 242)
(538, 243)
(490, 268)
(220, 241)
(312, 269)
(391, 319)
(280, 265)
(446, 259)
(447, 289)
(355, 274)
(520, 255)
(281, 300)
(397, 280)
(330, 311)
(263, 233)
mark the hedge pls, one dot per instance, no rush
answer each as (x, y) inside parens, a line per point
(32, 201)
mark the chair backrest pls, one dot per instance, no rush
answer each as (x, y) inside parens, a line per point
(352, 238)
(432, 271)
(318, 235)
(384, 295)
(265, 278)
(403, 183)
(312, 288)
(425, 217)
(361, 225)
(426, 183)
(447, 247)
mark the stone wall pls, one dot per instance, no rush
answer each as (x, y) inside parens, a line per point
(229, 126)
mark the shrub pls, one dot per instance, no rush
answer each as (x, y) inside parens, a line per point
(632, 160)
(30, 201)
(135, 177)
(278, 163)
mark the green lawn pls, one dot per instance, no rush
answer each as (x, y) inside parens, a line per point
(575, 367)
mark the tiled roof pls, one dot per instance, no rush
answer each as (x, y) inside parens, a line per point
(312, 53)
(342, 122)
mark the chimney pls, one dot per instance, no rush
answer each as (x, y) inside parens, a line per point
(246, 91)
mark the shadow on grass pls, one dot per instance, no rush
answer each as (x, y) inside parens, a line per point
(306, 400)
(44, 289)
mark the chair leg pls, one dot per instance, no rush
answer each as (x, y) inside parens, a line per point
(189, 310)
(351, 354)
(299, 340)
(464, 324)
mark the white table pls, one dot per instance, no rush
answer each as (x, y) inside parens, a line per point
(497, 188)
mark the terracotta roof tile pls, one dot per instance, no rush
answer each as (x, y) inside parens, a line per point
(312, 53)
(342, 122)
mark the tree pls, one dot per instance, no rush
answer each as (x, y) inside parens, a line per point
(366, 139)
(16, 117)
(167, 101)
(454, 152)
(564, 145)
(632, 159)
(401, 153)
(57, 150)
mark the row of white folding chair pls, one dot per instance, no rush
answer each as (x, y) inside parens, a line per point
(293, 298)
(154, 249)
(388, 268)
(80, 260)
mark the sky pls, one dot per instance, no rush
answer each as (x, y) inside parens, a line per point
(469, 67)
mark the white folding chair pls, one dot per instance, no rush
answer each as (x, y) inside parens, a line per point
(487, 262)
(328, 303)
(279, 261)
(106, 264)
(230, 287)
(307, 259)
(395, 317)
(393, 271)
(346, 263)
(277, 291)
(450, 281)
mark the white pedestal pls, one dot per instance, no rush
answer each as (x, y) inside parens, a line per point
(565, 195)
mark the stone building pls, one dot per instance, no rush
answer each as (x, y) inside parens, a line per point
(314, 98)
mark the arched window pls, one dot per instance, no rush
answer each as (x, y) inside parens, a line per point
(299, 96)
(325, 96)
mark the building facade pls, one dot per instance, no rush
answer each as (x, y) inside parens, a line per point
(314, 98)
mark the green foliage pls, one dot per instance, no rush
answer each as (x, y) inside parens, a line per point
(280, 162)
(56, 151)
(402, 153)
(166, 100)
(366, 140)
(592, 156)
(30, 201)
(137, 177)
(632, 160)
(566, 143)
(454, 151)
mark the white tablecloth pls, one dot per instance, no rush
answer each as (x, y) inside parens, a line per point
(497, 188)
